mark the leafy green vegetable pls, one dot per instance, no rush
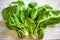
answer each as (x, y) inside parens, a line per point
(34, 13)
(32, 4)
(30, 22)
(8, 11)
(41, 33)
(31, 25)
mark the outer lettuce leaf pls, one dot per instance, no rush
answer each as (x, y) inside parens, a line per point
(8, 11)
(41, 33)
(48, 16)
(31, 26)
